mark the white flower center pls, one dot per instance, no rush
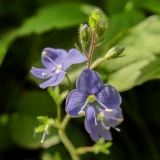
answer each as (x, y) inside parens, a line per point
(58, 69)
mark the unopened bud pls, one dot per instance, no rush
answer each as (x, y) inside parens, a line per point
(85, 34)
(101, 29)
(114, 52)
(94, 18)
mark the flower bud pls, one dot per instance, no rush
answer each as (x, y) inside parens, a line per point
(94, 18)
(101, 29)
(114, 52)
(84, 34)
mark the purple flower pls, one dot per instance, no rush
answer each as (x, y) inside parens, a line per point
(90, 95)
(56, 61)
(105, 120)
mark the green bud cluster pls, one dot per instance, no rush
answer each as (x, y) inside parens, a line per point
(95, 25)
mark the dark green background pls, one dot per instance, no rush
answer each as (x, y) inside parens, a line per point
(27, 26)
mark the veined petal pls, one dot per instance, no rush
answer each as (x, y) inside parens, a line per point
(103, 132)
(52, 57)
(91, 114)
(92, 130)
(73, 57)
(54, 80)
(41, 73)
(74, 102)
(89, 82)
(109, 97)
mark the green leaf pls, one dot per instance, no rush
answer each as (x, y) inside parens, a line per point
(5, 41)
(40, 128)
(141, 62)
(43, 119)
(60, 15)
(122, 21)
(152, 6)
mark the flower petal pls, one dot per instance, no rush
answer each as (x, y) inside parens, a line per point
(41, 73)
(109, 97)
(74, 102)
(103, 132)
(90, 82)
(73, 57)
(54, 80)
(91, 114)
(53, 57)
(92, 130)
(114, 118)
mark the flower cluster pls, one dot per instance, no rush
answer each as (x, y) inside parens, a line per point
(98, 102)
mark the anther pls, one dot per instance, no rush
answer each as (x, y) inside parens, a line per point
(44, 53)
(108, 127)
(120, 119)
(81, 113)
(44, 74)
(109, 110)
(117, 129)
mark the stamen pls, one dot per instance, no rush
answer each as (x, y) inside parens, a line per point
(44, 74)
(109, 110)
(106, 109)
(44, 54)
(117, 129)
(81, 113)
(120, 119)
(84, 106)
(44, 134)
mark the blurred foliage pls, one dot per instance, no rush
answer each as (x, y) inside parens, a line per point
(26, 27)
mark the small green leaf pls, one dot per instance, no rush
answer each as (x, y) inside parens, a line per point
(43, 119)
(64, 94)
(40, 129)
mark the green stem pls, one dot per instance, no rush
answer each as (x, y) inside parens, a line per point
(59, 113)
(68, 145)
(71, 86)
(65, 121)
(65, 139)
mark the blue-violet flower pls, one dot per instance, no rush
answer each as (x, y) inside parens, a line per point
(105, 120)
(56, 61)
(90, 95)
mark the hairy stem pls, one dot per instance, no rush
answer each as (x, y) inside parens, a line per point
(93, 44)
